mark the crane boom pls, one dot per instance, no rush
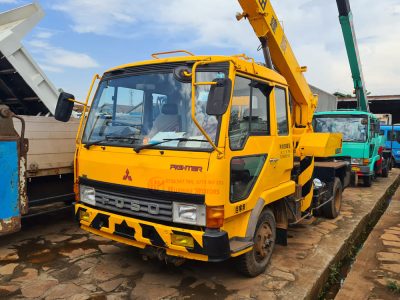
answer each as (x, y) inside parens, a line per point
(268, 29)
(346, 22)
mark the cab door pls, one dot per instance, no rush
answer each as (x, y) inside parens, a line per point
(281, 160)
(260, 157)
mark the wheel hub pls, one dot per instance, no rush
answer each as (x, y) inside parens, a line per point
(263, 241)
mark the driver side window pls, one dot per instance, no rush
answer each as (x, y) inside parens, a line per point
(249, 112)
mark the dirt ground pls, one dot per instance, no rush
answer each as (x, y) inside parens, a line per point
(54, 259)
(376, 272)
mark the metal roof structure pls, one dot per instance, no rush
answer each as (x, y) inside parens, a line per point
(383, 104)
(23, 85)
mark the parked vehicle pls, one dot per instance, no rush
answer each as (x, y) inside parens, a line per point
(392, 135)
(362, 142)
(222, 170)
(44, 174)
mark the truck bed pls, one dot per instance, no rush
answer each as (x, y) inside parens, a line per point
(51, 145)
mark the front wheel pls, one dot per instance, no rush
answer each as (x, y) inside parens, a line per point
(385, 171)
(332, 209)
(367, 180)
(254, 262)
(391, 163)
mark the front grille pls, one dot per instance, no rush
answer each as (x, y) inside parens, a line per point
(138, 202)
(135, 206)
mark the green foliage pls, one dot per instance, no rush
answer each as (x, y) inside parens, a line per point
(393, 286)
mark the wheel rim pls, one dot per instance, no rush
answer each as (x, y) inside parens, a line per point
(264, 242)
(338, 197)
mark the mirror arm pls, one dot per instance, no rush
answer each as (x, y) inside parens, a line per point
(75, 101)
(205, 83)
(85, 107)
(194, 84)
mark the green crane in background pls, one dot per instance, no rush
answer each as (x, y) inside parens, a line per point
(346, 21)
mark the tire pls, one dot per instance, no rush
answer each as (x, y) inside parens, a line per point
(367, 181)
(254, 262)
(332, 210)
(385, 172)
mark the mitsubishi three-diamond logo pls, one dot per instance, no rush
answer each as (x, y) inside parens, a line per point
(127, 176)
(263, 3)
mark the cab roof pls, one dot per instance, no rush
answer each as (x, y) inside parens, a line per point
(243, 65)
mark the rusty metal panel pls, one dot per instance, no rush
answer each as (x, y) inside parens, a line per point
(9, 187)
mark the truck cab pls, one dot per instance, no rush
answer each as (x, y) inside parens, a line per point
(362, 141)
(148, 175)
(392, 135)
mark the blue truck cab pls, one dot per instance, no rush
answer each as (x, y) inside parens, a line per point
(362, 142)
(392, 134)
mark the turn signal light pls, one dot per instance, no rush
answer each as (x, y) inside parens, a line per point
(215, 216)
(84, 216)
(182, 240)
(366, 161)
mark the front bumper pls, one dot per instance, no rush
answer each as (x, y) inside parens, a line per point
(361, 171)
(208, 246)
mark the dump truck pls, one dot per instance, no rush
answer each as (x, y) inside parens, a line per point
(36, 151)
(205, 157)
(363, 144)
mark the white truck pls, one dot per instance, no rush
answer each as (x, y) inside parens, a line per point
(45, 171)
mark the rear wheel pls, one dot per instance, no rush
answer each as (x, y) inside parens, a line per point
(255, 262)
(385, 170)
(332, 209)
(367, 181)
(391, 163)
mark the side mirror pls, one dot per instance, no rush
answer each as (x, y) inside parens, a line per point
(64, 107)
(219, 97)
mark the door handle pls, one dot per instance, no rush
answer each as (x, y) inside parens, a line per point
(273, 160)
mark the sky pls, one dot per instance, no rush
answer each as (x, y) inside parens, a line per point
(79, 38)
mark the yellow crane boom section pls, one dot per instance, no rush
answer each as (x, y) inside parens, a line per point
(266, 25)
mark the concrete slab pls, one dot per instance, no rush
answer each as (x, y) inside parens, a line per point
(376, 271)
(98, 267)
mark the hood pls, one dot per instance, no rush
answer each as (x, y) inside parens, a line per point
(173, 171)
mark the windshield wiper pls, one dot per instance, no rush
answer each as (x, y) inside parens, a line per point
(110, 137)
(98, 142)
(148, 146)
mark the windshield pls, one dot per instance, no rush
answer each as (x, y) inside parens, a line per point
(354, 129)
(150, 108)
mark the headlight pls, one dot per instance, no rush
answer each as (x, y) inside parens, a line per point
(88, 195)
(398, 152)
(356, 161)
(189, 214)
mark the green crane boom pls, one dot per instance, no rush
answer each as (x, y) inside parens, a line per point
(346, 21)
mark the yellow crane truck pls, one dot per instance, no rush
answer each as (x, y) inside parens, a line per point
(205, 157)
